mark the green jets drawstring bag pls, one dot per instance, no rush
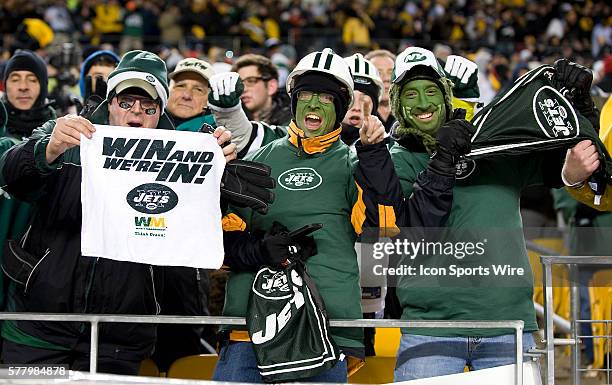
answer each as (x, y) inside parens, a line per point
(288, 325)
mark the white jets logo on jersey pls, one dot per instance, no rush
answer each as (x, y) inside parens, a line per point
(464, 168)
(301, 178)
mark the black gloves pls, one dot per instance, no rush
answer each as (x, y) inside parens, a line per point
(248, 252)
(278, 245)
(574, 81)
(247, 184)
(452, 141)
(92, 99)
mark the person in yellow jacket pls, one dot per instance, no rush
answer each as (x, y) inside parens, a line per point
(356, 28)
(584, 164)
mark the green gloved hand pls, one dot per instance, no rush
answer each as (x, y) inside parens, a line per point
(464, 75)
(226, 89)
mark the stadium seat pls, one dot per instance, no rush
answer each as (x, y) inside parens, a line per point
(387, 341)
(377, 370)
(196, 367)
(148, 368)
(600, 291)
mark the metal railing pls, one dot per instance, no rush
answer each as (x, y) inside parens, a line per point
(573, 263)
(96, 319)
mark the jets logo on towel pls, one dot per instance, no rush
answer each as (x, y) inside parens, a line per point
(554, 114)
(152, 198)
(465, 168)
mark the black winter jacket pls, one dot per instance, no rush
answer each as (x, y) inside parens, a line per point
(64, 281)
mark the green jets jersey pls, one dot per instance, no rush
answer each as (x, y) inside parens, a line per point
(317, 188)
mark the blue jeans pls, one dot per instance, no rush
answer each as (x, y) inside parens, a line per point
(237, 363)
(425, 356)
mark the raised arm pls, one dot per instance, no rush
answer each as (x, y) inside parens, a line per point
(432, 197)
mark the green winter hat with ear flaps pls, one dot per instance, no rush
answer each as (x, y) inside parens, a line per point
(413, 64)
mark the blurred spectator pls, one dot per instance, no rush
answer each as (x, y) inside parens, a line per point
(107, 23)
(384, 62)
(170, 26)
(279, 59)
(259, 26)
(441, 51)
(98, 64)
(32, 34)
(602, 36)
(262, 99)
(58, 17)
(356, 27)
(133, 23)
(605, 84)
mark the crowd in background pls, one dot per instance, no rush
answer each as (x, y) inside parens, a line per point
(546, 28)
(503, 37)
(535, 30)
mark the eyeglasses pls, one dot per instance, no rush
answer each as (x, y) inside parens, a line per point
(323, 97)
(147, 104)
(252, 80)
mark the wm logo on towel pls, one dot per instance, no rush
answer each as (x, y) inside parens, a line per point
(150, 222)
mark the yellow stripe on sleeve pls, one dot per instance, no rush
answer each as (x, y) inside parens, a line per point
(387, 221)
(358, 215)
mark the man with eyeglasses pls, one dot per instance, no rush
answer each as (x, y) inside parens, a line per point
(46, 170)
(261, 98)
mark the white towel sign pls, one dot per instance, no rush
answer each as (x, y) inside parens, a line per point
(152, 196)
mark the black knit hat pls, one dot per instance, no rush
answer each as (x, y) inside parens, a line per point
(25, 60)
(368, 87)
(321, 82)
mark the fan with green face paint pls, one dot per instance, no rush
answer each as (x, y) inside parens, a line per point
(422, 105)
(314, 116)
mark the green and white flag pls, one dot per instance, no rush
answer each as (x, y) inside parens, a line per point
(531, 116)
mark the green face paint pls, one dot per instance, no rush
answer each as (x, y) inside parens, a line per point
(422, 104)
(315, 118)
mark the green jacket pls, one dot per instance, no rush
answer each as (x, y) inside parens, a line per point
(196, 123)
(591, 237)
(14, 214)
(10, 329)
(486, 208)
(310, 191)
